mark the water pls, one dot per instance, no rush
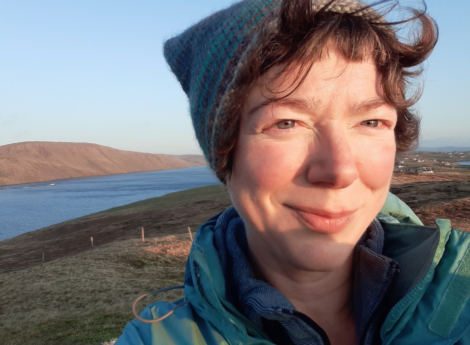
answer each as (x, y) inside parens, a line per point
(33, 206)
(464, 163)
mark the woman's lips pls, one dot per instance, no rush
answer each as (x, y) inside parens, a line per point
(324, 222)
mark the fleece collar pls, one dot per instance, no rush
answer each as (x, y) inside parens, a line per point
(264, 305)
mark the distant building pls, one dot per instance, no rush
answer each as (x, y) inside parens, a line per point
(424, 170)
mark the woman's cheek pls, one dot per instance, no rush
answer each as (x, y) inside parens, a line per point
(375, 164)
(274, 162)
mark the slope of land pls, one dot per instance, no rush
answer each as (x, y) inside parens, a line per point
(433, 162)
(167, 215)
(86, 299)
(46, 161)
(196, 159)
(84, 296)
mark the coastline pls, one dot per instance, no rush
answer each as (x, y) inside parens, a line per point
(74, 198)
(168, 214)
(81, 295)
(93, 176)
(42, 161)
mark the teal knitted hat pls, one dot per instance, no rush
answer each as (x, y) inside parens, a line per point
(209, 57)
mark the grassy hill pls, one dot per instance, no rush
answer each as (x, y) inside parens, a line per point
(46, 161)
(84, 296)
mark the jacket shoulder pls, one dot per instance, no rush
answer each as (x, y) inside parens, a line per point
(437, 309)
(183, 326)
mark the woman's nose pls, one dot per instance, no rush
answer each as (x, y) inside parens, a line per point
(331, 161)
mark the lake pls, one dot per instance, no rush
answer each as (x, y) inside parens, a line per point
(464, 163)
(33, 206)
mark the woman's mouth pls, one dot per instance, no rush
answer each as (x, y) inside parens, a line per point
(322, 221)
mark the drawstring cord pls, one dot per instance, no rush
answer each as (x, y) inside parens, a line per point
(154, 292)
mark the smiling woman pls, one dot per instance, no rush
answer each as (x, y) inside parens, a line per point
(311, 177)
(300, 107)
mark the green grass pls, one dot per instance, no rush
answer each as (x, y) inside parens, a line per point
(87, 298)
(83, 330)
(175, 199)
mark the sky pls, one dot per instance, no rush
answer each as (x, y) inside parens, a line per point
(93, 71)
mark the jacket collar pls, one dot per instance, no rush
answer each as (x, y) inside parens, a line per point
(222, 242)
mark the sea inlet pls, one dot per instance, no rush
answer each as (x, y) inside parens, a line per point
(33, 206)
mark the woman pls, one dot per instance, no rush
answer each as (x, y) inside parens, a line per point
(300, 107)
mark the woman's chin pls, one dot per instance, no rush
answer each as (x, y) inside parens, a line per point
(319, 256)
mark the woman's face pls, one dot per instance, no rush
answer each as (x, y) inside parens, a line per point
(311, 171)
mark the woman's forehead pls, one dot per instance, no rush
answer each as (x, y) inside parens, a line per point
(333, 71)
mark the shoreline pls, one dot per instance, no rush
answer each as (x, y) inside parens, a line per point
(82, 295)
(92, 176)
(168, 214)
(76, 198)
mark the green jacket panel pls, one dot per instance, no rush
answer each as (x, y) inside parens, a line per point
(184, 326)
(436, 310)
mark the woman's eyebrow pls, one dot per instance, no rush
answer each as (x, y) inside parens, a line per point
(300, 105)
(367, 105)
(308, 107)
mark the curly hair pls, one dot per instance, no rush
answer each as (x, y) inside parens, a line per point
(304, 32)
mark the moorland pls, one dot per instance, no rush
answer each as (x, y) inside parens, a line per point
(29, 162)
(83, 295)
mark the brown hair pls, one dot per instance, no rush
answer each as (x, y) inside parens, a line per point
(301, 37)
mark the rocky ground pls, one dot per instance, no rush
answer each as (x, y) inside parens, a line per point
(433, 196)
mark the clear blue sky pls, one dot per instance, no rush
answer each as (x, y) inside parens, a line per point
(93, 71)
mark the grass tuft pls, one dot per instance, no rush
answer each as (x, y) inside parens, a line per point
(87, 298)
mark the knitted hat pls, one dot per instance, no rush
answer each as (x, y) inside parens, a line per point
(208, 57)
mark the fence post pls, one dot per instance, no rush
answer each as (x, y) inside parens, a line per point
(190, 234)
(42, 257)
(91, 238)
(143, 235)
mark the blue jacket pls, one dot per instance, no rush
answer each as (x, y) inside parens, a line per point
(430, 298)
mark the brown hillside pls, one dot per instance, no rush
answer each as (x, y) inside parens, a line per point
(196, 159)
(45, 161)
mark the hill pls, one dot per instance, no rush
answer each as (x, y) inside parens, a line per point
(46, 161)
(82, 296)
(165, 215)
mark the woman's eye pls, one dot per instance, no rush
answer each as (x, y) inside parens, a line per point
(285, 124)
(370, 123)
